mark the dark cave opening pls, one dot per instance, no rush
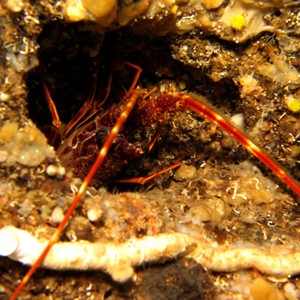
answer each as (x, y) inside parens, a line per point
(68, 57)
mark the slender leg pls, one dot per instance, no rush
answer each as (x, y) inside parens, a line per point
(135, 95)
(144, 179)
(136, 77)
(56, 122)
(90, 106)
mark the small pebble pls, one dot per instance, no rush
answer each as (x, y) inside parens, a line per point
(58, 171)
(185, 172)
(211, 4)
(57, 215)
(199, 214)
(291, 291)
(3, 155)
(26, 208)
(14, 5)
(263, 290)
(8, 132)
(238, 120)
(94, 214)
(3, 96)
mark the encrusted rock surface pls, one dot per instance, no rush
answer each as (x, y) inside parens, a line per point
(247, 65)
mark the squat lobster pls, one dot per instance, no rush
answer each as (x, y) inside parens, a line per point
(155, 106)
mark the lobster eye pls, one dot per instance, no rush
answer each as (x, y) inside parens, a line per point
(102, 134)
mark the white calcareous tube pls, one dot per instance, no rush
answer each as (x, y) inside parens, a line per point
(116, 259)
(19, 245)
(9, 242)
(119, 259)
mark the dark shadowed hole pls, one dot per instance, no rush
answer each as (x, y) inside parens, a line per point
(66, 67)
(67, 57)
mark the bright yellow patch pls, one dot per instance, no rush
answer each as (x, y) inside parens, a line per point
(294, 105)
(238, 22)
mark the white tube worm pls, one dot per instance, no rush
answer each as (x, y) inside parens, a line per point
(116, 259)
(119, 259)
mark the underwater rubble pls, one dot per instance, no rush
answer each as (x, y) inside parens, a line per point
(241, 55)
